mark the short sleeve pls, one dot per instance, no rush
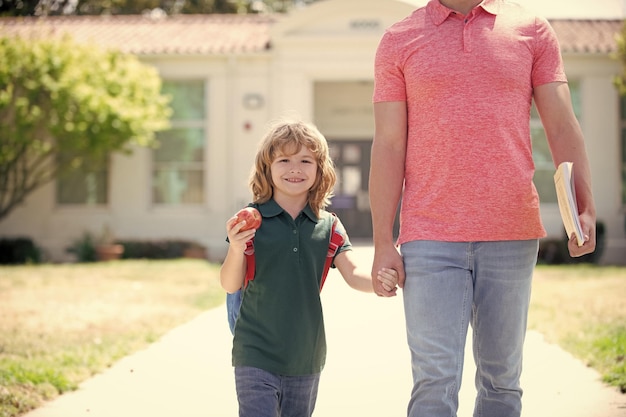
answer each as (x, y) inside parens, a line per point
(548, 63)
(389, 83)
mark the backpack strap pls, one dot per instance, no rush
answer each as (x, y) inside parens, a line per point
(336, 241)
(250, 262)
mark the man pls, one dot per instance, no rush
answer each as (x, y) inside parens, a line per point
(454, 83)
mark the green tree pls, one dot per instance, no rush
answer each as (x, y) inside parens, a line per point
(65, 106)
(620, 84)
(170, 7)
(18, 7)
(116, 7)
(620, 80)
(112, 7)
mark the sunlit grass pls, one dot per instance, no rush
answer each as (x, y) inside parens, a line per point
(61, 324)
(583, 309)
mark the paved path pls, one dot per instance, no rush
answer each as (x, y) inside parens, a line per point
(188, 374)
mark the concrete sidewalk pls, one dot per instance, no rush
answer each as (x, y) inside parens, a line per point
(187, 373)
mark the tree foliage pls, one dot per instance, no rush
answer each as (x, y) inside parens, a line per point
(620, 80)
(169, 7)
(65, 106)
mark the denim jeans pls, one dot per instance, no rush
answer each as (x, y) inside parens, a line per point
(263, 394)
(448, 286)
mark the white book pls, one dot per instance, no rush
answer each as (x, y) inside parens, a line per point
(566, 195)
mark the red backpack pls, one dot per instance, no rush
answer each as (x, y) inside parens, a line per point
(336, 241)
(233, 301)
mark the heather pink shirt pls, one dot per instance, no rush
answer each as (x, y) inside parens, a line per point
(468, 83)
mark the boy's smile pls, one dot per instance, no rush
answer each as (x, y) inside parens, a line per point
(293, 175)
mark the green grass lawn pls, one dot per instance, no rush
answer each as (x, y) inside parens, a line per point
(61, 324)
(582, 308)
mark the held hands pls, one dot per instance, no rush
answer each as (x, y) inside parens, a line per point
(389, 279)
(387, 258)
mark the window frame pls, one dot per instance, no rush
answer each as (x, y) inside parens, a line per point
(622, 127)
(103, 171)
(200, 123)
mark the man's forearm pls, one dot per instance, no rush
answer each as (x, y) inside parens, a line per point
(385, 188)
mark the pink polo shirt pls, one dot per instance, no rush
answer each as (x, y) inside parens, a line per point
(468, 83)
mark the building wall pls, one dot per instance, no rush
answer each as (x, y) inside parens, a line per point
(600, 123)
(321, 47)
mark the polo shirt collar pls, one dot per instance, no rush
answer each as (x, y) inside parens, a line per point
(272, 209)
(308, 211)
(439, 13)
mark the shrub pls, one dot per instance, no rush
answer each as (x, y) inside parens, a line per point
(155, 249)
(20, 250)
(84, 248)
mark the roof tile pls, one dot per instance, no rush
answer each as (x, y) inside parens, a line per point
(144, 35)
(587, 36)
(231, 34)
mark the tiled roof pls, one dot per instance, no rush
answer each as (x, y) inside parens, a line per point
(231, 34)
(143, 35)
(587, 36)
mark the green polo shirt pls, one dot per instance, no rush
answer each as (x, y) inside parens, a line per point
(280, 327)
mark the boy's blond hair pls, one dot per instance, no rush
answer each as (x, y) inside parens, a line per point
(288, 137)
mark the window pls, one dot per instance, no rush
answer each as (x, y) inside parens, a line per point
(87, 185)
(544, 167)
(623, 140)
(178, 161)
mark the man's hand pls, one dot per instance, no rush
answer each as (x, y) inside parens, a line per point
(387, 257)
(588, 225)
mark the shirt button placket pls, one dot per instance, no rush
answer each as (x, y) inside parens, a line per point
(295, 240)
(467, 39)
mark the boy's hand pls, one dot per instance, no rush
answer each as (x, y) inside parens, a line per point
(236, 237)
(389, 279)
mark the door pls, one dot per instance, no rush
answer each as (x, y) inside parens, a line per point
(351, 200)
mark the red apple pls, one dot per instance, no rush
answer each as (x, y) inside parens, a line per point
(251, 216)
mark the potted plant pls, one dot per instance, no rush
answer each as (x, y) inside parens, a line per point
(195, 251)
(107, 249)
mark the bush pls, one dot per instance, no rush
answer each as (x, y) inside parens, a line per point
(84, 248)
(155, 249)
(21, 250)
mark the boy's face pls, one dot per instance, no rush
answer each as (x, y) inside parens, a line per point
(293, 174)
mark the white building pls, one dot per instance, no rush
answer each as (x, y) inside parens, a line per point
(232, 74)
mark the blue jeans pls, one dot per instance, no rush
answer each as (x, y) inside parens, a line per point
(448, 286)
(263, 394)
